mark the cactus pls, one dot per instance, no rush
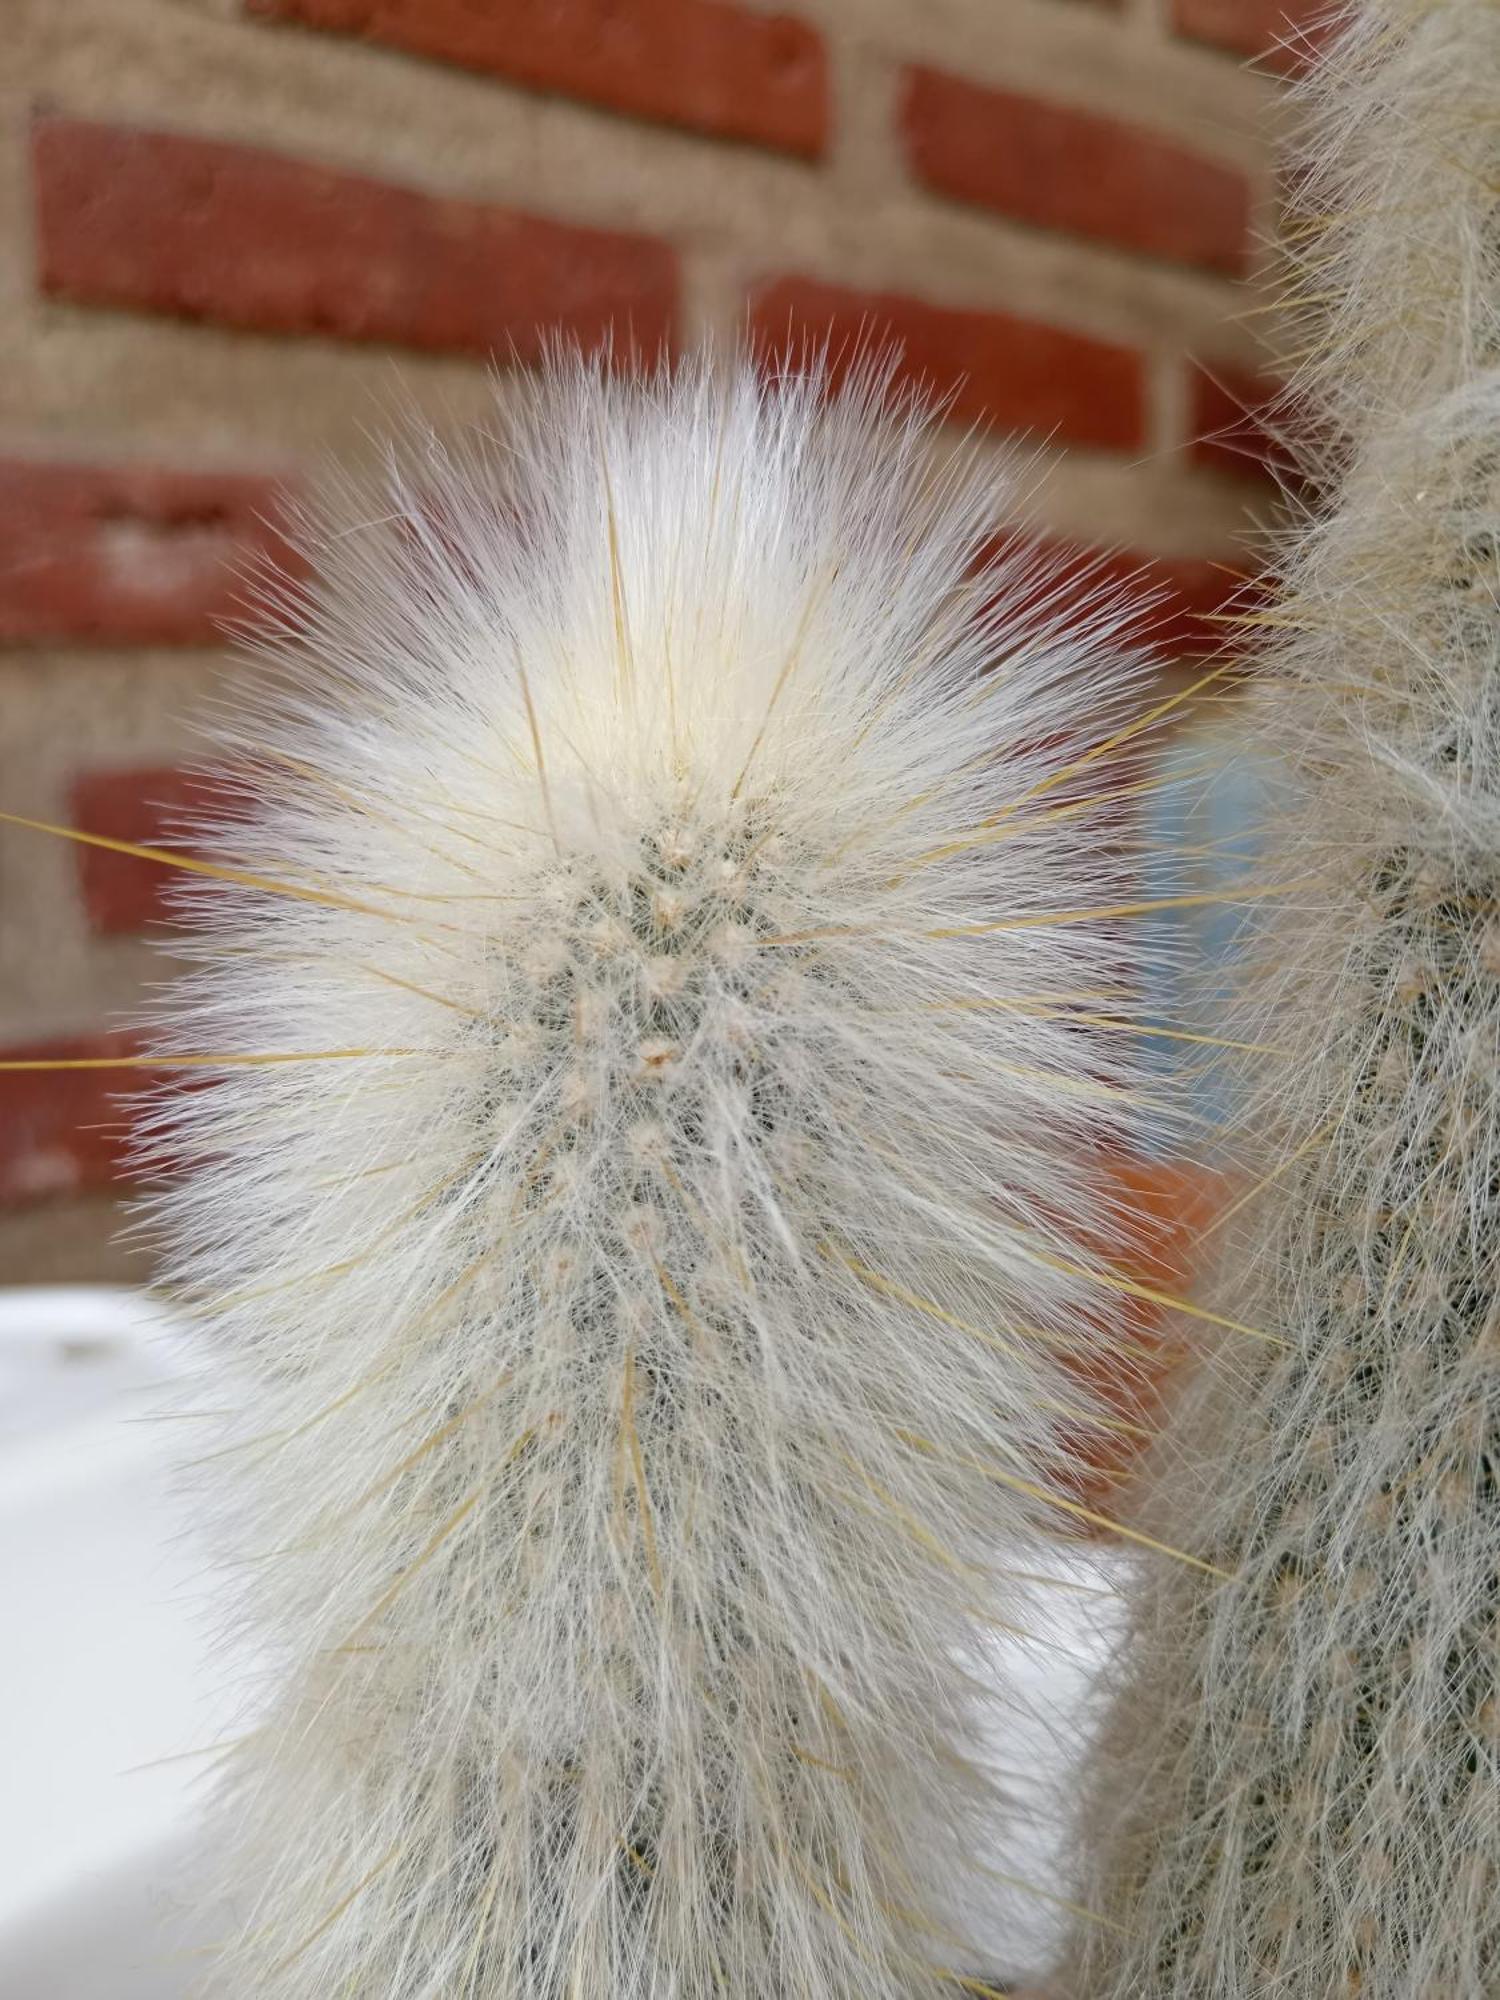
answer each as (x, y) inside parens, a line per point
(1296, 1787)
(660, 991)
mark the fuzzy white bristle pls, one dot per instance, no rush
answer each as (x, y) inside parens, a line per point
(647, 1200)
(1297, 1790)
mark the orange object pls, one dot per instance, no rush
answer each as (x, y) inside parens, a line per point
(1165, 1205)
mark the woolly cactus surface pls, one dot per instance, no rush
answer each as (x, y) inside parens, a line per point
(1297, 1793)
(662, 991)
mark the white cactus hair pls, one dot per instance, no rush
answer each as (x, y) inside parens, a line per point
(646, 1203)
(1297, 1790)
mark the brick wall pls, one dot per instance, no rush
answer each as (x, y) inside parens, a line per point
(232, 230)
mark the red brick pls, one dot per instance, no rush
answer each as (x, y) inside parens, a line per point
(127, 554)
(1059, 168)
(156, 222)
(1281, 33)
(1176, 605)
(149, 808)
(1183, 600)
(727, 70)
(65, 1131)
(1163, 1207)
(1198, 600)
(1017, 374)
(1228, 429)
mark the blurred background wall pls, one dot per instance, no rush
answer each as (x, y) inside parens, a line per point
(233, 233)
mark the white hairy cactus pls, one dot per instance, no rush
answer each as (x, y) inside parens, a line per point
(661, 995)
(1297, 1789)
